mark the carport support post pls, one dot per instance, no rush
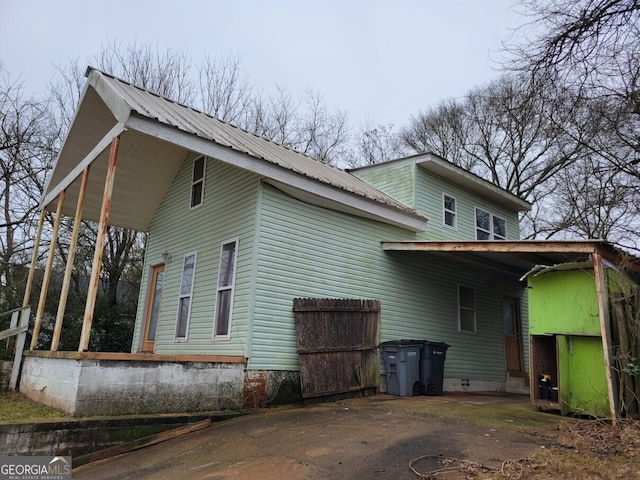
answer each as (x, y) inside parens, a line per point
(605, 328)
(70, 257)
(97, 254)
(47, 272)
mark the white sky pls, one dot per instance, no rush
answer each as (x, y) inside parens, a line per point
(381, 61)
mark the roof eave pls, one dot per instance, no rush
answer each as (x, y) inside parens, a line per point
(353, 202)
(450, 171)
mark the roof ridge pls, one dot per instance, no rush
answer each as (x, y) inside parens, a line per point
(224, 122)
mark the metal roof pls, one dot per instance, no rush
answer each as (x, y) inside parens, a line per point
(157, 134)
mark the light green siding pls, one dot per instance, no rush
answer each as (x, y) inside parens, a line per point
(430, 189)
(396, 179)
(228, 212)
(289, 249)
(307, 251)
(423, 190)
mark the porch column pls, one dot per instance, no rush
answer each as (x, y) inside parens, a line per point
(605, 328)
(47, 272)
(70, 258)
(97, 255)
(34, 261)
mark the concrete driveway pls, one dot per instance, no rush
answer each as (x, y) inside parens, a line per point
(372, 437)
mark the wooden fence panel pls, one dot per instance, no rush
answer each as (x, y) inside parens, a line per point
(337, 344)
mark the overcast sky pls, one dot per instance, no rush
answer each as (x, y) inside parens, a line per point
(379, 60)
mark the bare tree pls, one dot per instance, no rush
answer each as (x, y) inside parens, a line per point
(375, 144)
(443, 130)
(223, 90)
(499, 131)
(165, 72)
(593, 48)
(27, 135)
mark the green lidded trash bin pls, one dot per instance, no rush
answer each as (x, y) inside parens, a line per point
(402, 364)
(432, 359)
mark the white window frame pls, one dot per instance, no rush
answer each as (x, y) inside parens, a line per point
(467, 308)
(453, 212)
(185, 295)
(195, 182)
(492, 218)
(230, 287)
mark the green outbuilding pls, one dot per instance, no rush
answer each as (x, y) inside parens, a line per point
(580, 340)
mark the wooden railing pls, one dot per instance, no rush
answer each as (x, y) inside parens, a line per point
(18, 326)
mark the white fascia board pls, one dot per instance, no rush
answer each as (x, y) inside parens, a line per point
(274, 172)
(112, 99)
(86, 161)
(453, 171)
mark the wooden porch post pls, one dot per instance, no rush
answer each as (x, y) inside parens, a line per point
(97, 255)
(34, 261)
(70, 258)
(47, 272)
(605, 328)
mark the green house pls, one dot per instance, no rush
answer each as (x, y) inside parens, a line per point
(239, 227)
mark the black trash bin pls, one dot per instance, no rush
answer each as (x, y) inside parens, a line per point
(402, 364)
(432, 360)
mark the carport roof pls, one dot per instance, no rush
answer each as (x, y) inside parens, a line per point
(519, 257)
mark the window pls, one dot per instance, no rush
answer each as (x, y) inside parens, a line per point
(186, 293)
(197, 182)
(490, 227)
(226, 285)
(449, 210)
(466, 309)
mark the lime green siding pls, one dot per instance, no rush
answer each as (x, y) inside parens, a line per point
(563, 302)
(583, 383)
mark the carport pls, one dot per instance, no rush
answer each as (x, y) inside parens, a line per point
(520, 257)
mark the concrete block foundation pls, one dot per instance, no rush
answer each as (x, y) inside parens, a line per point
(87, 384)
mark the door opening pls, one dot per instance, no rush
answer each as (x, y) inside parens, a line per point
(512, 336)
(156, 283)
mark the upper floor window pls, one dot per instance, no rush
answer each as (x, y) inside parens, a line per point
(489, 226)
(449, 210)
(186, 293)
(197, 182)
(225, 289)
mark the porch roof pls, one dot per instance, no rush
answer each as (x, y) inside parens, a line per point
(519, 257)
(156, 134)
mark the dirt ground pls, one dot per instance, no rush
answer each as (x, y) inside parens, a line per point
(371, 437)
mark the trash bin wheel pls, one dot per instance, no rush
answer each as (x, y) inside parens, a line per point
(416, 389)
(431, 389)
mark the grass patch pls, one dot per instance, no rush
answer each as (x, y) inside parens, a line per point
(16, 407)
